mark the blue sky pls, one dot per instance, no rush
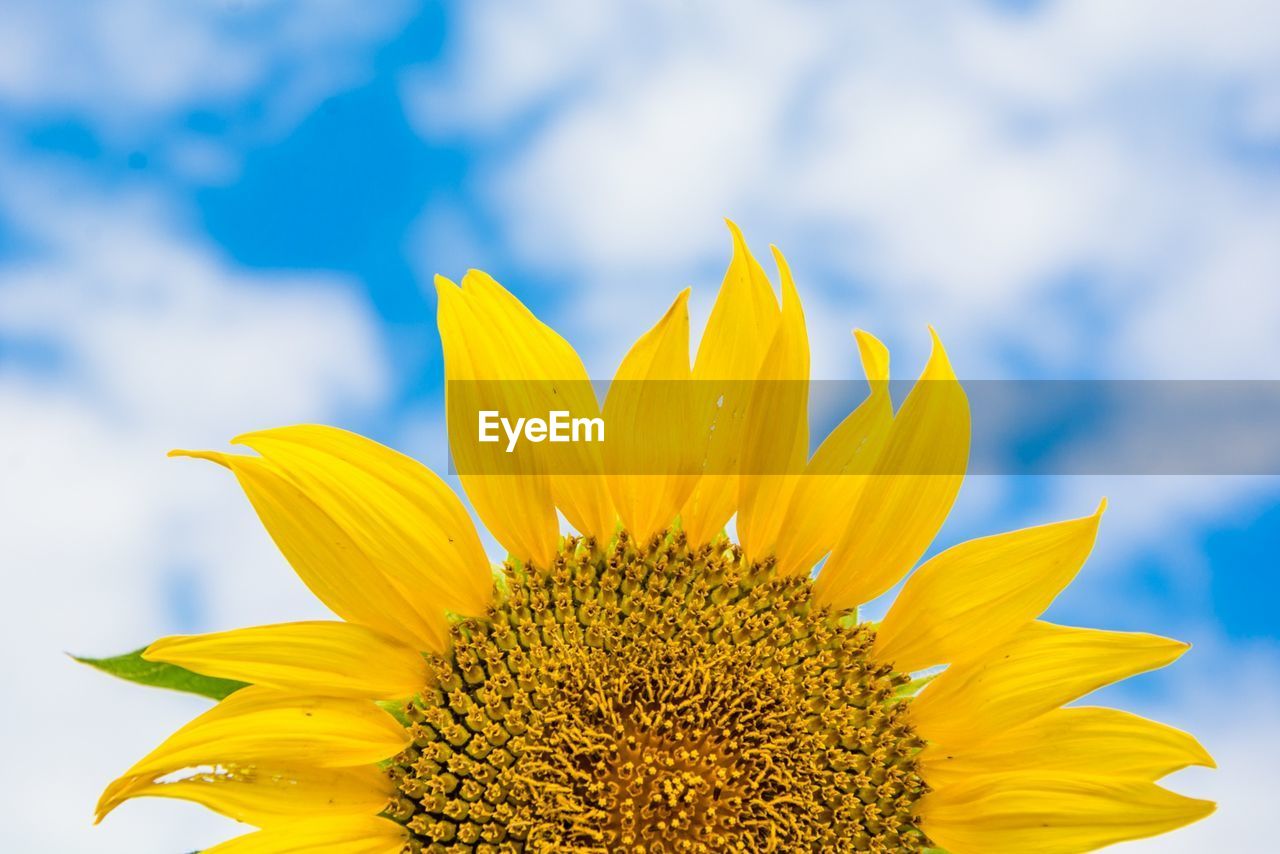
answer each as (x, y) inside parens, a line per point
(219, 217)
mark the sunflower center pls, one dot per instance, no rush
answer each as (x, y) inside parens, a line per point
(659, 699)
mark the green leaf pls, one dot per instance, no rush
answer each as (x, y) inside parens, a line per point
(133, 667)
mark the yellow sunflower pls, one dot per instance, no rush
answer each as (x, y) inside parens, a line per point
(647, 684)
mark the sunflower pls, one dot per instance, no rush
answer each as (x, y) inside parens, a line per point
(646, 684)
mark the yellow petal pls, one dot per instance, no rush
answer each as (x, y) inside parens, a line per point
(825, 496)
(1064, 814)
(1104, 743)
(260, 726)
(1040, 668)
(326, 658)
(511, 492)
(910, 491)
(875, 359)
(733, 345)
(776, 435)
(321, 836)
(399, 512)
(266, 795)
(971, 598)
(525, 348)
(649, 450)
(330, 559)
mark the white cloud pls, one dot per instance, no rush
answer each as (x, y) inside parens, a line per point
(69, 55)
(1011, 173)
(143, 59)
(133, 71)
(128, 338)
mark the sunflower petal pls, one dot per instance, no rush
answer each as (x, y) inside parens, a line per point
(331, 561)
(971, 598)
(1040, 668)
(909, 493)
(401, 514)
(776, 435)
(527, 349)
(1063, 814)
(1105, 743)
(513, 495)
(321, 836)
(650, 453)
(827, 493)
(258, 725)
(733, 345)
(269, 795)
(327, 658)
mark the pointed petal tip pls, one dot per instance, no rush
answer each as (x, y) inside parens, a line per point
(246, 439)
(736, 232)
(288, 432)
(937, 347)
(866, 340)
(212, 456)
(939, 362)
(477, 280)
(105, 806)
(1200, 808)
(874, 355)
(115, 794)
(1173, 649)
(1203, 758)
(790, 293)
(1102, 507)
(781, 260)
(443, 283)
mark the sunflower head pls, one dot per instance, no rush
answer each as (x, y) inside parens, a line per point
(646, 683)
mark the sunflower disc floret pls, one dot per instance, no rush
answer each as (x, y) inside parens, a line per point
(659, 698)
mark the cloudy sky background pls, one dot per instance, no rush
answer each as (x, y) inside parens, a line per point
(221, 216)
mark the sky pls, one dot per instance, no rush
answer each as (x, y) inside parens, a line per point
(222, 216)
